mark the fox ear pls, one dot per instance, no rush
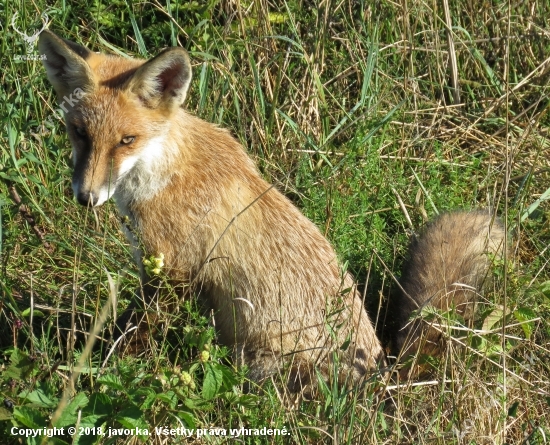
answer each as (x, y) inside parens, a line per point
(65, 64)
(164, 80)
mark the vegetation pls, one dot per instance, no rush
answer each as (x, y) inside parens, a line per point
(351, 108)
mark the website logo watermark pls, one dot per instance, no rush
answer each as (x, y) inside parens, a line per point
(30, 40)
(64, 107)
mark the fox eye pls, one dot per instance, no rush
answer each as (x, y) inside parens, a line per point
(81, 131)
(127, 140)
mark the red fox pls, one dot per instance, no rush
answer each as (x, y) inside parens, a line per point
(192, 194)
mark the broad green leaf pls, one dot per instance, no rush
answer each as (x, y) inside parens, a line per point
(132, 417)
(40, 397)
(212, 381)
(30, 417)
(20, 365)
(99, 404)
(187, 418)
(90, 422)
(168, 397)
(523, 315)
(70, 413)
(5, 414)
(112, 381)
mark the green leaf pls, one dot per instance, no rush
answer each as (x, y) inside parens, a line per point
(382, 122)
(30, 417)
(248, 400)
(213, 379)
(523, 315)
(40, 397)
(70, 413)
(139, 38)
(512, 411)
(195, 403)
(132, 417)
(90, 422)
(5, 414)
(20, 365)
(100, 404)
(31, 157)
(229, 377)
(169, 397)
(143, 397)
(480, 343)
(346, 344)
(545, 289)
(36, 313)
(323, 387)
(533, 207)
(112, 381)
(54, 441)
(187, 418)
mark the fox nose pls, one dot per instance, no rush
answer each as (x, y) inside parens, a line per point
(86, 199)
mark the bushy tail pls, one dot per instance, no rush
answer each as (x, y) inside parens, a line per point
(447, 267)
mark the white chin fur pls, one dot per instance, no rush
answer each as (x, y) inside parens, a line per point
(142, 176)
(104, 195)
(127, 165)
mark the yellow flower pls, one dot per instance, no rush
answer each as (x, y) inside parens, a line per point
(153, 265)
(205, 355)
(185, 378)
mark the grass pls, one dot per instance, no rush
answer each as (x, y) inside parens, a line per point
(349, 107)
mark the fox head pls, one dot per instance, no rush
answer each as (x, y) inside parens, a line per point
(117, 112)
